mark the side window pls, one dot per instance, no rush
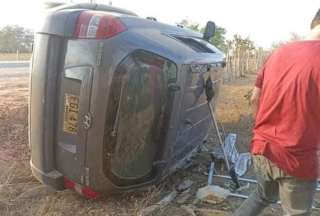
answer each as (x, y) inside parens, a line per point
(136, 107)
(171, 72)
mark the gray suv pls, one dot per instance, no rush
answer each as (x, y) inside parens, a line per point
(117, 101)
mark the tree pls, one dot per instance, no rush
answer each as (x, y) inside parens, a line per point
(13, 38)
(190, 25)
(219, 39)
(242, 56)
(295, 37)
(276, 45)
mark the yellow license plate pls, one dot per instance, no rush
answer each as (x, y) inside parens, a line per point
(71, 113)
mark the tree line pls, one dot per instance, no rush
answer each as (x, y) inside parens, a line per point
(243, 57)
(15, 39)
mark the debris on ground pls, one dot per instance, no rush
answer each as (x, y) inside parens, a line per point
(244, 187)
(169, 198)
(189, 209)
(186, 184)
(188, 164)
(211, 212)
(162, 203)
(230, 147)
(212, 194)
(38, 191)
(243, 163)
(184, 196)
(149, 210)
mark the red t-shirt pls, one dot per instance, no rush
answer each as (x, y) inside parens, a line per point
(287, 126)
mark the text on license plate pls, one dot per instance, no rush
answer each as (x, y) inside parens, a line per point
(71, 113)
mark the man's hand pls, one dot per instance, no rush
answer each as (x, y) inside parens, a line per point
(254, 100)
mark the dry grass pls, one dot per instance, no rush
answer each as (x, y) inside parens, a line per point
(234, 112)
(14, 56)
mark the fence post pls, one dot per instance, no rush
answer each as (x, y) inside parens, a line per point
(17, 55)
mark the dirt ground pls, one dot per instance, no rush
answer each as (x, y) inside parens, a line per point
(14, 56)
(22, 194)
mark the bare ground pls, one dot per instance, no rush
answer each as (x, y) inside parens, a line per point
(21, 194)
(14, 56)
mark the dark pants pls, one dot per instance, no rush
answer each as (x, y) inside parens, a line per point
(296, 195)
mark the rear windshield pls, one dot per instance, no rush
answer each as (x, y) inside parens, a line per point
(197, 44)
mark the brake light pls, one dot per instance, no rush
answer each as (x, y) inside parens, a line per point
(98, 25)
(69, 184)
(82, 190)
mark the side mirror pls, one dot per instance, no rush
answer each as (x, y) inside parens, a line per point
(209, 30)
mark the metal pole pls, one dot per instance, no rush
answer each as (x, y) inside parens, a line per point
(215, 125)
(210, 175)
(241, 179)
(238, 195)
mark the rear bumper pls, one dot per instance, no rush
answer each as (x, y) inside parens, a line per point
(52, 178)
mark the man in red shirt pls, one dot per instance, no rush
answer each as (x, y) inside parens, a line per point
(286, 138)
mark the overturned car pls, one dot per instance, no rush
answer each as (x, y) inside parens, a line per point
(117, 102)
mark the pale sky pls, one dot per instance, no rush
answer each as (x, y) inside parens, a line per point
(264, 21)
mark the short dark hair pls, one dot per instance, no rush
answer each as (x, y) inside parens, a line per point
(316, 20)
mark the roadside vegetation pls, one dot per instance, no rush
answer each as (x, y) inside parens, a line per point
(15, 43)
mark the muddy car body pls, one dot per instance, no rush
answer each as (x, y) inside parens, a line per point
(117, 101)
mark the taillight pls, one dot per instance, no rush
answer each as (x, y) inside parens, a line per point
(98, 25)
(83, 190)
(69, 184)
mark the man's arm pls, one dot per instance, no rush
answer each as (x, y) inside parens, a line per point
(256, 92)
(254, 100)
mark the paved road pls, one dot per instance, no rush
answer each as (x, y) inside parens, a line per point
(14, 64)
(9, 72)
